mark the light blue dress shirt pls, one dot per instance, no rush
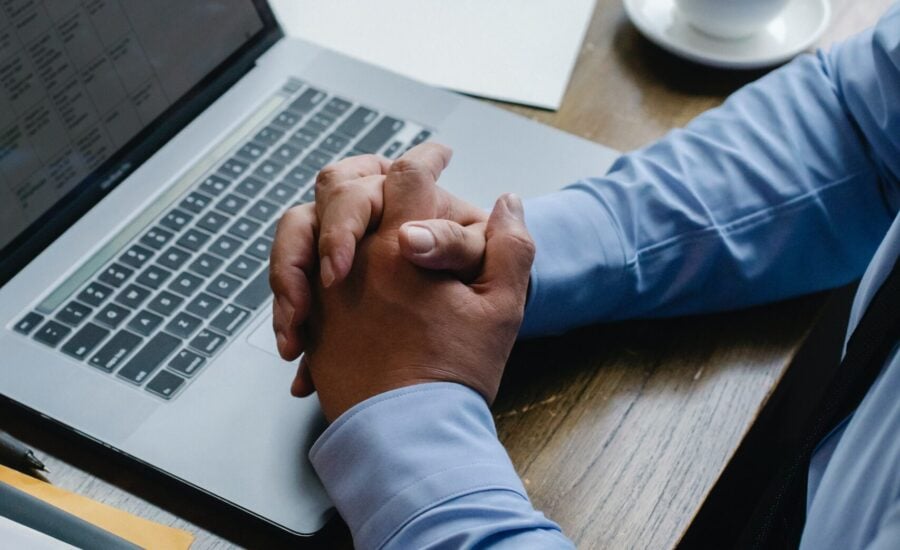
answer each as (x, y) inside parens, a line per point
(786, 189)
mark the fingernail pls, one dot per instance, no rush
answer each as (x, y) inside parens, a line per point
(514, 205)
(281, 340)
(421, 240)
(327, 272)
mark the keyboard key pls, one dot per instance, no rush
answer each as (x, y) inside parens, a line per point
(233, 168)
(207, 342)
(95, 294)
(84, 341)
(165, 303)
(268, 136)
(186, 362)
(393, 149)
(176, 220)
(153, 277)
(286, 120)
(309, 195)
(320, 121)
(256, 292)
(213, 221)
(184, 324)
(114, 352)
(157, 238)
(300, 176)
(268, 169)
(206, 265)
(112, 315)
(144, 323)
(262, 210)
(115, 275)
(27, 323)
(420, 137)
(136, 256)
(193, 239)
(244, 228)
(204, 305)
(281, 194)
(375, 139)
(251, 152)
(334, 143)
(251, 186)
(232, 204)
(174, 258)
(224, 286)
(358, 119)
(133, 296)
(286, 153)
(165, 384)
(304, 137)
(337, 106)
(52, 333)
(74, 313)
(243, 267)
(150, 358)
(195, 202)
(185, 284)
(230, 319)
(260, 248)
(307, 101)
(270, 231)
(214, 185)
(225, 246)
(317, 159)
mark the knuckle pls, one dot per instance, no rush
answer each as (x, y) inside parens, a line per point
(327, 176)
(407, 166)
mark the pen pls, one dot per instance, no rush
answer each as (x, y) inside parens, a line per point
(16, 455)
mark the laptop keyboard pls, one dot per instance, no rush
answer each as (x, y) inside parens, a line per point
(173, 297)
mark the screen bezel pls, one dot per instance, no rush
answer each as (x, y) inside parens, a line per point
(32, 240)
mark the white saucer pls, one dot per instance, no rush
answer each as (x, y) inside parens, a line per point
(800, 24)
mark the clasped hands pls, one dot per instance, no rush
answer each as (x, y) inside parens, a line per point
(388, 281)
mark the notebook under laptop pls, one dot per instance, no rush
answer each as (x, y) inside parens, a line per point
(147, 150)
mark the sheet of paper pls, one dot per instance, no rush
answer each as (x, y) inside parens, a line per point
(140, 531)
(521, 51)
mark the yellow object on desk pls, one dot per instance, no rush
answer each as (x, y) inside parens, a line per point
(140, 531)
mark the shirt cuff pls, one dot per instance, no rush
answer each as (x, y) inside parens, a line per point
(401, 453)
(578, 251)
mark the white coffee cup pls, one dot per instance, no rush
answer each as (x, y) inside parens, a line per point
(730, 19)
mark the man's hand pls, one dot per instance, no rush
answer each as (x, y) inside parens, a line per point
(349, 202)
(391, 324)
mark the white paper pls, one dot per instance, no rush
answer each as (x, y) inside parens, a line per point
(521, 51)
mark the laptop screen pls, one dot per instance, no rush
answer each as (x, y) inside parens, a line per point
(84, 82)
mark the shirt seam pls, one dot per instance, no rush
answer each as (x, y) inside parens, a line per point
(747, 221)
(425, 507)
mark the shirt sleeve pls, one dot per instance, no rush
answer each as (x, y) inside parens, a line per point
(785, 189)
(421, 467)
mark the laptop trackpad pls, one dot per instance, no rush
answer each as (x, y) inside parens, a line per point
(263, 337)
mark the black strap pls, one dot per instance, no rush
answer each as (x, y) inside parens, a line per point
(873, 339)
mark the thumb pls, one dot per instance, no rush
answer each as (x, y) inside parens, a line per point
(444, 245)
(509, 250)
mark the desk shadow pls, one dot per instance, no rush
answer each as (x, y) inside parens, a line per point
(651, 65)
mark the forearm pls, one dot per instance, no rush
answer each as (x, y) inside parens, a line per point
(777, 193)
(422, 466)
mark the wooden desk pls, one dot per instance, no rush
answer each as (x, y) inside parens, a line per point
(618, 431)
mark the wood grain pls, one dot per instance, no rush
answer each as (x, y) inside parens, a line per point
(619, 431)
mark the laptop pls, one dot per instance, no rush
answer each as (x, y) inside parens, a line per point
(147, 150)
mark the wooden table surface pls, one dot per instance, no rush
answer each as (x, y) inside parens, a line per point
(619, 431)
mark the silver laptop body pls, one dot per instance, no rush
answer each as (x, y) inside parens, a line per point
(193, 387)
